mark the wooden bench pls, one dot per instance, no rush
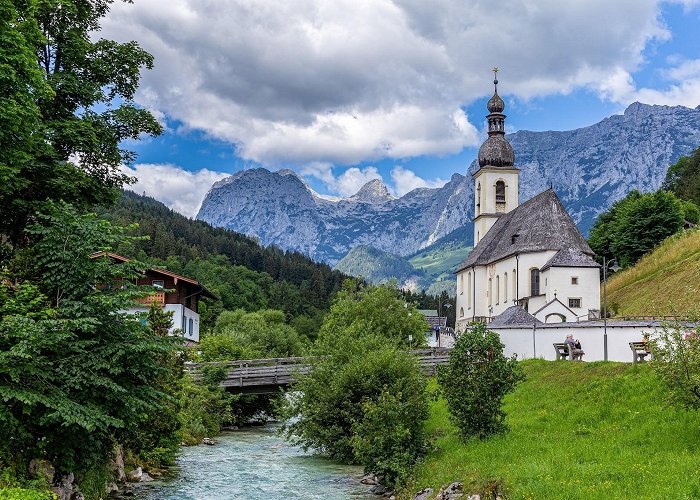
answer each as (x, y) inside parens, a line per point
(639, 351)
(562, 351)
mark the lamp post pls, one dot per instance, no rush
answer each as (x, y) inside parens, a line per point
(613, 267)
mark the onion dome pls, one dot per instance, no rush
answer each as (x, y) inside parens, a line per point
(496, 151)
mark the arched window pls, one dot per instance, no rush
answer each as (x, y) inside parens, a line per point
(461, 284)
(534, 281)
(490, 292)
(461, 312)
(469, 291)
(505, 288)
(478, 198)
(498, 289)
(500, 196)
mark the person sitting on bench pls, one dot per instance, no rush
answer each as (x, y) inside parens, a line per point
(574, 347)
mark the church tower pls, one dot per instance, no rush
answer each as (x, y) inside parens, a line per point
(496, 181)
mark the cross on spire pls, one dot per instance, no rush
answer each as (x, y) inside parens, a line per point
(495, 78)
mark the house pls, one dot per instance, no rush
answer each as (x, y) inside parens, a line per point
(530, 254)
(439, 335)
(178, 294)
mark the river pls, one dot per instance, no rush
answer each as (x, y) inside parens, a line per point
(255, 463)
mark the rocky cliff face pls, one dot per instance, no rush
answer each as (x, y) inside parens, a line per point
(589, 168)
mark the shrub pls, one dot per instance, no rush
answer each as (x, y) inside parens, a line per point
(676, 359)
(475, 380)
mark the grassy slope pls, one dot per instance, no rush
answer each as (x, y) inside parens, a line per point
(667, 281)
(439, 260)
(578, 430)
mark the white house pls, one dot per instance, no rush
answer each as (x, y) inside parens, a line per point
(530, 254)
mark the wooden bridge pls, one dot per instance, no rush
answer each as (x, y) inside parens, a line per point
(265, 376)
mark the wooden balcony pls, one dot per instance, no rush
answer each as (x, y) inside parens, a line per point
(157, 298)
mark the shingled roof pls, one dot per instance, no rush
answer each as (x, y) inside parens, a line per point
(570, 257)
(541, 223)
(514, 315)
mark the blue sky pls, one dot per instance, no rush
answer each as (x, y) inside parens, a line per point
(345, 91)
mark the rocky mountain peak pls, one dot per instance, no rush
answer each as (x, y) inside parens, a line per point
(375, 192)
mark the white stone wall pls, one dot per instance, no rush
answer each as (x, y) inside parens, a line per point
(526, 345)
(558, 280)
(180, 314)
(487, 178)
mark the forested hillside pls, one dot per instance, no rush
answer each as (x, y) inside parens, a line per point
(234, 266)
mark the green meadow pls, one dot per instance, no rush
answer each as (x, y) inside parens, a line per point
(577, 431)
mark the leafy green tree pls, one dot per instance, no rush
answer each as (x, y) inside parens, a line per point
(360, 375)
(683, 177)
(475, 380)
(691, 211)
(76, 372)
(635, 225)
(67, 103)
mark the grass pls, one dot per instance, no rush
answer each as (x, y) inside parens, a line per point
(577, 431)
(664, 282)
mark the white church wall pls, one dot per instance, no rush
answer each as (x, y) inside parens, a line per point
(554, 312)
(586, 288)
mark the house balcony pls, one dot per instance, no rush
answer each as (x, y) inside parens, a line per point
(158, 298)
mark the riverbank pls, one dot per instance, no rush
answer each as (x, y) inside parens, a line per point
(577, 430)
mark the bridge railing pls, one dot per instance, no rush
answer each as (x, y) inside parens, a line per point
(283, 371)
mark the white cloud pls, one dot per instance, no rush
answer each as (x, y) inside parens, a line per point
(406, 180)
(347, 81)
(179, 189)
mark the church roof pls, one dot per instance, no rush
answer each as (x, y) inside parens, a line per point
(541, 223)
(514, 315)
(570, 257)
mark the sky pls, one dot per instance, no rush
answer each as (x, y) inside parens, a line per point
(346, 91)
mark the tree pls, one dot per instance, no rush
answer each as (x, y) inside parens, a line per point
(683, 177)
(364, 399)
(635, 225)
(67, 105)
(76, 371)
(475, 380)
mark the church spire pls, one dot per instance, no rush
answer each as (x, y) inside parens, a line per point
(496, 151)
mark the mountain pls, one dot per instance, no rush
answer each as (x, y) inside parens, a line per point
(377, 266)
(280, 208)
(589, 168)
(673, 266)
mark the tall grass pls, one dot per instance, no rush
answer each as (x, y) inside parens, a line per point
(666, 281)
(577, 431)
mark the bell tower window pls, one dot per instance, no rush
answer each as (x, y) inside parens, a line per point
(478, 199)
(500, 196)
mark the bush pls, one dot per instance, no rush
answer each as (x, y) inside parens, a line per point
(676, 359)
(475, 380)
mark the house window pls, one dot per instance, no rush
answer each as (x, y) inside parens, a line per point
(534, 282)
(575, 303)
(500, 196)
(184, 325)
(505, 288)
(461, 312)
(574, 280)
(498, 290)
(191, 329)
(158, 283)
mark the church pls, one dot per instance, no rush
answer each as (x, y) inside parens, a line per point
(529, 255)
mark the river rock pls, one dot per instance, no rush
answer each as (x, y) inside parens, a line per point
(42, 469)
(117, 463)
(478, 497)
(369, 479)
(378, 489)
(454, 490)
(208, 441)
(111, 488)
(423, 494)
(145, 478)
(65, 489)
(135, 475)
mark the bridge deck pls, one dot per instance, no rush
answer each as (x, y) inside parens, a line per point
(264, 376)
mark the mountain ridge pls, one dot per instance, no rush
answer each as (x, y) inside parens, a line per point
(589, 168)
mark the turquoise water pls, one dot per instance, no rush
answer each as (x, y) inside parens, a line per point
(255, 463)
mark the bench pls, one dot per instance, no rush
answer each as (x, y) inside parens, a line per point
(562, 352)
(639, 351)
